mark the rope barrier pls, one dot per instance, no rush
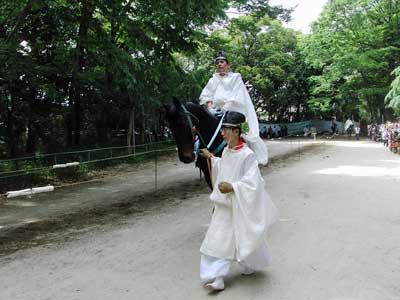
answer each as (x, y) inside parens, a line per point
(83, 163)
(36, 170)
(81, 151)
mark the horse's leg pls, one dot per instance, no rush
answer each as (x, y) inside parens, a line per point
(203, 165)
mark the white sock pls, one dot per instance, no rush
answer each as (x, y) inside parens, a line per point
(217, 285)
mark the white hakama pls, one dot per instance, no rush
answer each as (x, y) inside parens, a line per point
(212, 267)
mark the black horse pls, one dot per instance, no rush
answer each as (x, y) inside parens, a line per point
(350, 131)
(188, 122)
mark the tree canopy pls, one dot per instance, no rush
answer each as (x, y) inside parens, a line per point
(83, 73)
(393, 97)
(354, 46)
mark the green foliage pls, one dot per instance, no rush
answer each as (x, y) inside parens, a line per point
(354, 46)
(268, 57)
(393, 97)
(262, 8)
(75, 73)
(320, 104)
(244, 127)
(72, 68)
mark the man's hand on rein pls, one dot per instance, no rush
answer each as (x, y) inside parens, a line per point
(225, 187)
(205, 153)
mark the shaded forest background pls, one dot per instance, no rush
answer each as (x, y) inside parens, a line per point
(83, 74)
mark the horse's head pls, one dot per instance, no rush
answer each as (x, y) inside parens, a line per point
(179, 125)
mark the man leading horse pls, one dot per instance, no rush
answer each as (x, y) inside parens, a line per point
(243, 210)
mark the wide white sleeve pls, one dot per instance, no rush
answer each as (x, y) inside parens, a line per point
(208, 92)
(215, 166)
(253, 210)
(252, 185)
(239, 100)
(235, 99)
(216, 196)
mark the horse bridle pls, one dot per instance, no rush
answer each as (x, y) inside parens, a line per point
(196, 133)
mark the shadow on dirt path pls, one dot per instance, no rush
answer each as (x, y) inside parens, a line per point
(68, 226)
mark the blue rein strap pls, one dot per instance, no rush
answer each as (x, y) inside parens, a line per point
(197, 137)
(216, 132)
(222, 145)
(219, 148)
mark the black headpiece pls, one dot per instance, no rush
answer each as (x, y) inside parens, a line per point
(233, 119)
(221, 55)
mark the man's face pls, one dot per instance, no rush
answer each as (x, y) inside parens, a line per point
(229, 134)
(221, 65)
(226, 133)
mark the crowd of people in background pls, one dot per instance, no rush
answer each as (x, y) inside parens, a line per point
(273, 131)
(310, 131)
(387, 133)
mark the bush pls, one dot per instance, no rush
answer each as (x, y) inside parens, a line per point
(70, 173)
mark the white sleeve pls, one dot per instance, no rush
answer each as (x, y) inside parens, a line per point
(216, 196)
(235, 100)
(215, 163)
(208, 92)
(252, 209)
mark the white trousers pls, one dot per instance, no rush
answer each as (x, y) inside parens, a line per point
(212, 267)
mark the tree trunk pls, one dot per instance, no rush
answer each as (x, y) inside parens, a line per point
(298, 111)
(68, 130)
(10, 133)
(76, 119)
(131, 142)
(84, 21)
(31, 138)
(101, 131)
(143, 133)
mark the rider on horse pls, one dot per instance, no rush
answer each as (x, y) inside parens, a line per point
(226, 91)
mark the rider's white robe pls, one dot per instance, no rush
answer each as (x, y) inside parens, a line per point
(229, 93)
(348, 124)
(241, 218)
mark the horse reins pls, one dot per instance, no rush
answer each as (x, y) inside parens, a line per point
(197, 133)
(193, 128)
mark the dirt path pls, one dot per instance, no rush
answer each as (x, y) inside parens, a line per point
(125, 190)
(337, 240)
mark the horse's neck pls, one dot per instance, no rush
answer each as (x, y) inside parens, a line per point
(207, 124)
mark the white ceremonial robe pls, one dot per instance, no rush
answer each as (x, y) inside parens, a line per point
(241, 218)
(229, 93)
(348, 124)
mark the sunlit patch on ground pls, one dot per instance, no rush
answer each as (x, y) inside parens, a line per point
(390, 161)
(357, 144)
(21, 203)
(346, 298)
(361, 171)
(30, 220)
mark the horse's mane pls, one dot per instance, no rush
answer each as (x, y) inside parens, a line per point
(200, 108)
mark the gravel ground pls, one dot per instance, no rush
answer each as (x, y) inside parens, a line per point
(337, 238)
